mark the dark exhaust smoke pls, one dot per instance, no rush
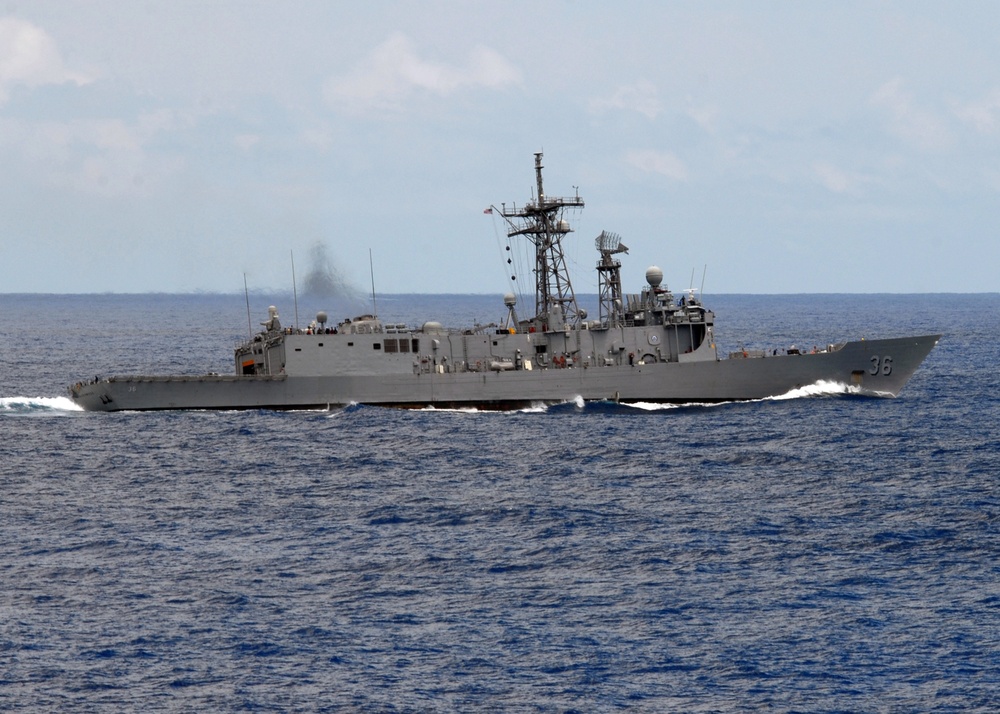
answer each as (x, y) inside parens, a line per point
(323, 279)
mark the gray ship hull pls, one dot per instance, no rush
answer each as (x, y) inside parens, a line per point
(643, 347)
(873, 367)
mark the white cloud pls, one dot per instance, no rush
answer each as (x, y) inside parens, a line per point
(983, 115)
(911, 124)
(837, 180)
(92, 156)
(393, 71)
(641, 97)
(245, 142)
(992, 179)
(29, 57)
(704, 116)
(659, 162)
(317, 138)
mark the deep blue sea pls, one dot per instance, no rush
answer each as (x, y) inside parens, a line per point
(829, 553)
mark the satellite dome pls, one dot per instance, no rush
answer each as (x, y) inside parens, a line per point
(321, 317)
(654, 276)
(510, 300)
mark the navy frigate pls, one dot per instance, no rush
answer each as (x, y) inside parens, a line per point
(641, 347)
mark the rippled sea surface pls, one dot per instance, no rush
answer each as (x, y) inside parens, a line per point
(824, 553)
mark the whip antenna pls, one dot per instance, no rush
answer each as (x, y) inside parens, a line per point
(246, 292)
(295, 291)
(371, 268)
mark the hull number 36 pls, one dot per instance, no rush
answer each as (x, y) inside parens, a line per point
(881, 365)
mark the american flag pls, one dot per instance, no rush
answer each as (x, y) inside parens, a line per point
(488, 210)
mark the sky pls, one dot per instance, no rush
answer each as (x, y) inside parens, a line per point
(750, 147)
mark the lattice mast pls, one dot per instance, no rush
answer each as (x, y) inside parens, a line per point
(542, 222)
(609, 278)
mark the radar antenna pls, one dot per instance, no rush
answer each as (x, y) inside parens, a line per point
(511, 323)
(609, 278)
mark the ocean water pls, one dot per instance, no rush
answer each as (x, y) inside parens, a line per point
(826, 553)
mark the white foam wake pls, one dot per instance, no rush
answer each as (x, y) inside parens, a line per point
(38, 404)
(454, 410)
(822, 388)
(535, 408)
(660, 406)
